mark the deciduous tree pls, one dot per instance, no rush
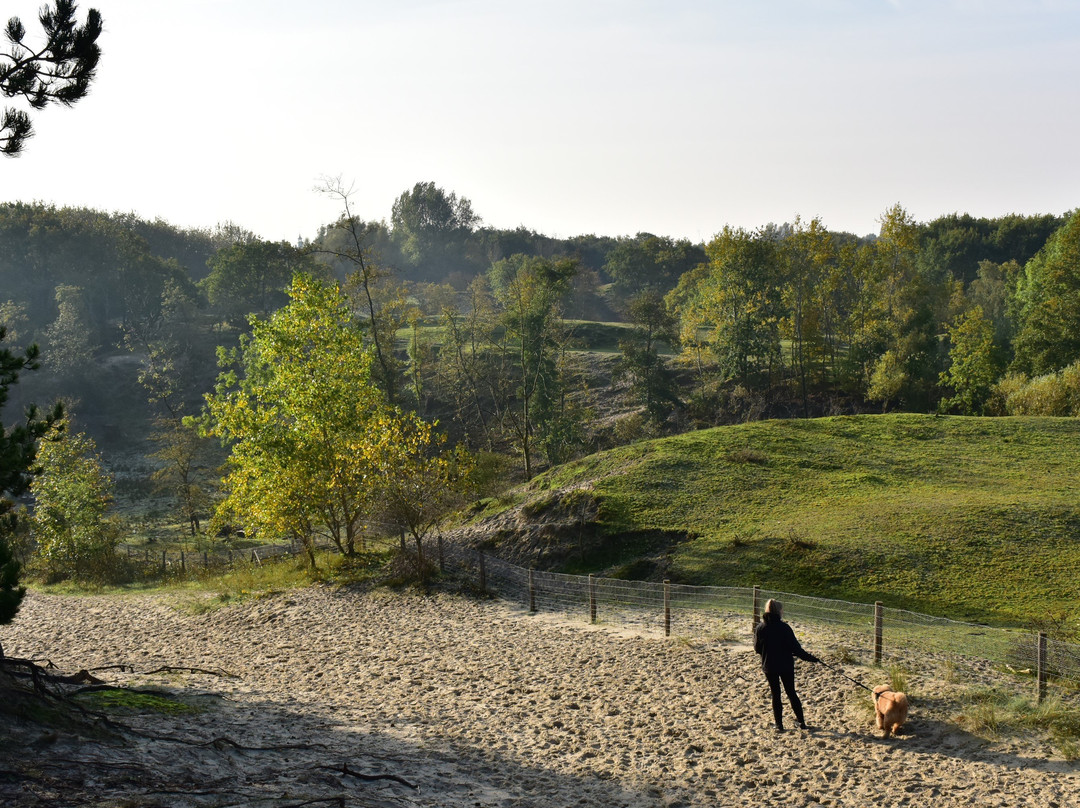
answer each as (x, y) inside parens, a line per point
(251, 277)
(1048, 296)
(972, 371)
(72, 494)
(652, 383)
(297, 419)
(315, 447)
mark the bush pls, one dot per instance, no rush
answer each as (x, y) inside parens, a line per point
(1055, 394)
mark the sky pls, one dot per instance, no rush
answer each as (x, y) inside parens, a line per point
(612, 117)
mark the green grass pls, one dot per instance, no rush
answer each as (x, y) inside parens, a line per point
(989, 713)
(133, 702)
(970, 518)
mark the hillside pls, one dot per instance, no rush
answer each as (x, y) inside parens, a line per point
(972, 518)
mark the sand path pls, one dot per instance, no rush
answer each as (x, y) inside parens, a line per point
(480, 704)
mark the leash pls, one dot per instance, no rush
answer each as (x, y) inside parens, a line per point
(835, 669)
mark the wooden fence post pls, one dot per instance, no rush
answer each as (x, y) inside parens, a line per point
(483, 573)
(183, 563)
(164, 561)
(667, 608)
(1042, 666)
(757, 607)
(205, 560)
(532, 592)
(442, 558)
(879, 613)
(592, 598)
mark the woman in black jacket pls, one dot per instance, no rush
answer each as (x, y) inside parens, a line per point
(775, 642)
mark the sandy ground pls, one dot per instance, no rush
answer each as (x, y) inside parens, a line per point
(475, 704)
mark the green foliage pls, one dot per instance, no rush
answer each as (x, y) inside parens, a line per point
(1048, 294)
(740, 300)
(315, 448)
(252, 276)
(431, 229)
(972, 372)
(71, 498)
(650, 262)
(299, 421)
(369, 287)
(530, 341)
(652, 383)
(806, 255)
(1055, 394)
(957, 244)
(68, 350)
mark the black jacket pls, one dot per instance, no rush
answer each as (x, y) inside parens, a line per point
(775, 642)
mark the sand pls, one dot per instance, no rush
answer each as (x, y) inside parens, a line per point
(477, 703)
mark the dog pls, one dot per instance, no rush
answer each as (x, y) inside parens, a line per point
(891, 708)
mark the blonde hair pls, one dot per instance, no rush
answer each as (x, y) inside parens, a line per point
(774, 607)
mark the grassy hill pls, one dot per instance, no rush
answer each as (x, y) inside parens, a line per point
(972, 518)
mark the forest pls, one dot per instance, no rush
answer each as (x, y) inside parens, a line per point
(379, 374)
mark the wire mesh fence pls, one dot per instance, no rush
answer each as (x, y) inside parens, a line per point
(180, 561)
(886, 635)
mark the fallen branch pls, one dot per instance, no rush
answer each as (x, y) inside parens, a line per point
(181, 669)
(222, 742)
(121, 667)
(370, 777)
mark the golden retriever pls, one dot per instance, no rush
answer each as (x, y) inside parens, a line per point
(891, 708)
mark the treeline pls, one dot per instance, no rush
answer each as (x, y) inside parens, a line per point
(480, 329)
(921, 317)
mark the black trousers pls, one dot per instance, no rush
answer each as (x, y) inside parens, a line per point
(788, 680)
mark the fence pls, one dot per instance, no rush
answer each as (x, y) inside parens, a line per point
(871, 630)
(183, 561)
(881, 633)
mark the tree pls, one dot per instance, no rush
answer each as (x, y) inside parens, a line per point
(418, 486)
(464, 372)
(69, 350)
(369, 284)
(59, 70)
(652, 384)
(972, 371)
(530, 342)
(18, 451)
(71, 496)
(806, 254)
(910, 298)
(739, 298)
(309, 432)
(431, 229)
(252, 276)
(648, 261)
(1048, 299)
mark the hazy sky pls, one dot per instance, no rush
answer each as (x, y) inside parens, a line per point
(584, 116)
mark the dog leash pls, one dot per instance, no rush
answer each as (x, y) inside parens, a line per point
(850, 679)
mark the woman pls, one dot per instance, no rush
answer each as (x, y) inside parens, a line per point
(775, 642)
